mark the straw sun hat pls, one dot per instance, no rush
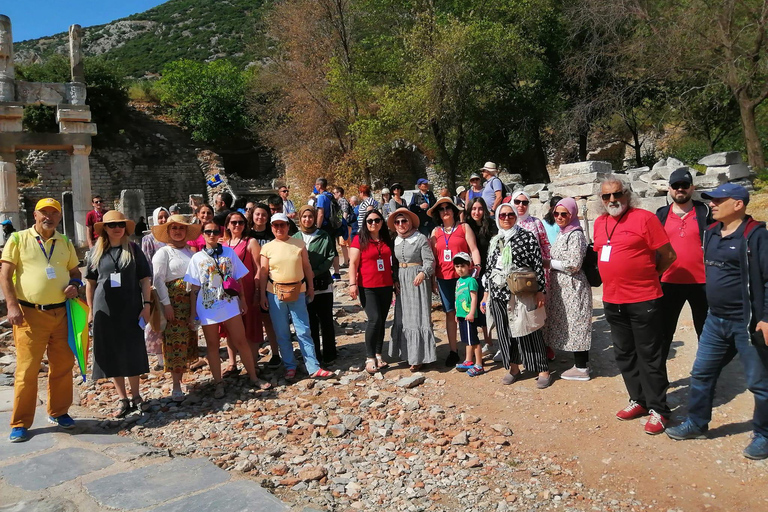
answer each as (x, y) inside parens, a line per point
(160, 231)
(114, 216)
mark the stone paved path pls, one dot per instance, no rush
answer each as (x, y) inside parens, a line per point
(86, 470)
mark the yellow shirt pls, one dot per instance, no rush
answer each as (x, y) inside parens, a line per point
(284, 261)
(31, 278)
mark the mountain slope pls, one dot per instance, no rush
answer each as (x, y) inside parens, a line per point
(143, 43)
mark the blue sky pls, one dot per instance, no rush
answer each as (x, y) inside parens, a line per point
(37, 18)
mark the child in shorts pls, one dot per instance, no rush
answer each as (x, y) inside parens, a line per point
(466, 311)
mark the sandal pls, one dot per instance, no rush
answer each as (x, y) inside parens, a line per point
(231, 370)
(322, 374)
(219, 391)
(414, 368)
(381, 363)
(200, 363)
(475, 371)
(262, 384)
(370, 366)
(290, 374)
(177, 395)
(137, 402)
(124, 409)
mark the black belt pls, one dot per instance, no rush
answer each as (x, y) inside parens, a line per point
(42, 307)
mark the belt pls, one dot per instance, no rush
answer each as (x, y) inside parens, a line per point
(404, 265)
(42, 307)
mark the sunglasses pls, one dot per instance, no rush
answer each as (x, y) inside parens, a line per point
(505, 216)
(377, 220)
(445, 209)
(98, 202)
(398, 222)
(237, 222)
(283, 191)
(616, 195)
(279, 225)
(115, 225)
(212, 232)
(681, 185)
(560, 214)
(522, 202)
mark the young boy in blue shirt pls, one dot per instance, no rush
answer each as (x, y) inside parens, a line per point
(466, 311)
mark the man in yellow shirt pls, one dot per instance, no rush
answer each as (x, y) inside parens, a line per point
(39, 273)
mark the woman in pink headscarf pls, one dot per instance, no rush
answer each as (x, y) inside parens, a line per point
(569, 302)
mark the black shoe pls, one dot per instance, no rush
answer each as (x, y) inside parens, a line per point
(453, 359)
(274, 361)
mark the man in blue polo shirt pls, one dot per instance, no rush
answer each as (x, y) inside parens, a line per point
(736, 262)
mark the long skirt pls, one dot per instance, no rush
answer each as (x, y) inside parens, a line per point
(527, 350)
(180, 343)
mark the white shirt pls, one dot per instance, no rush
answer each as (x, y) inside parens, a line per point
(213, 305)
(169, 264)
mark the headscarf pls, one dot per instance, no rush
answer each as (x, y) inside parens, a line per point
(515, 195)
(157, 212)
(570, 204)
(300, 212)
(506, 234)
(504, 262)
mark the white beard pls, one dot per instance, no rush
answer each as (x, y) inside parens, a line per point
(615, 211)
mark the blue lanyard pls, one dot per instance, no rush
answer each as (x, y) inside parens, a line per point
(42, 248)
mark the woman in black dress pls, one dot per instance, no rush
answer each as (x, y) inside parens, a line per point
(118, 285)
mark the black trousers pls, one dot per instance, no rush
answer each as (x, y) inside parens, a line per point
(321, 318)
(675, 297)
(637, 335)
(376, 303)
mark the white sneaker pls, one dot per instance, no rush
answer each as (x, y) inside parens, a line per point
(576, 374)
(497, 357)
(486, 351)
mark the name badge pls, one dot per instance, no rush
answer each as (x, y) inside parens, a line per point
(380, 265)
(447, 255)
(115, 279)
(216, 281)
(605, 253)
(50, 272)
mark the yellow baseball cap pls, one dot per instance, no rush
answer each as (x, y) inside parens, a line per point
(48, 202)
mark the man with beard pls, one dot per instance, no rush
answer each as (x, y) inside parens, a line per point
(633, 252)
(684, 221)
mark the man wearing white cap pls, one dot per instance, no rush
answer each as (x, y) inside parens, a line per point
(493, 188)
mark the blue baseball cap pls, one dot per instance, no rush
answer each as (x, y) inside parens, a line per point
(6, 222)
(422, 181)
(727, 190)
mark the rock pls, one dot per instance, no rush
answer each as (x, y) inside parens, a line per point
(674, 163)
(244, 466)
(279, 470)
(460, 439)
(652, 203)
(533, 189)
(545, 196)
(10, 369)
(7, 359)
(337, 430)
(578, 179)
(474, 462)
(351, 421)
(634, 174)
(724, 158)
(6, 380)
(412, 381)
(710, 181)
(289, 482)
(584, 190)
(660, 163)
(311, 473)
(502, 429)
(659, 186)
(733, 172)
(585, 168)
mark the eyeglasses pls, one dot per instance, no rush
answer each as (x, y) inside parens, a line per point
(681, 185)
(212, 232)
(616, 195)
(370, 222)
(115, 225)
(237, 222)
(398, 222)
(505, 216)
(522, 202)
(560, 214)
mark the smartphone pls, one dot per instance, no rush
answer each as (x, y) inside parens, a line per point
(142, 323)
(758, 339)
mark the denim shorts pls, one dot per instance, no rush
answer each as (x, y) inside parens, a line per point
(447, 289)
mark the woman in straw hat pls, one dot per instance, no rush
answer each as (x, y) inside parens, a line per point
(149, 246)
(118, 285)
(169, 266)
(413, 266)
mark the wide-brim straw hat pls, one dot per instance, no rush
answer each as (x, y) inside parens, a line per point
(440, 201)
(114, 216)
(160, 231)
(402, 211)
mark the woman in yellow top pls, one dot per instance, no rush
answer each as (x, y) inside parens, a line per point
(286, 287)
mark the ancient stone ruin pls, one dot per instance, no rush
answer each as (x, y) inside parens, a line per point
(75, 127)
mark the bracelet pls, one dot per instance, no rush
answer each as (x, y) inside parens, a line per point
(353, 284)
(148, 302)
(78, 282)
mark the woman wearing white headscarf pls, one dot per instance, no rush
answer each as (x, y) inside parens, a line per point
(569, 301)
(511, 250)
(149, 246)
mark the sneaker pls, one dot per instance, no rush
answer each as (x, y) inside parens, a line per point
(575, 374)
(498, 357)
(632, 411)
(656, 424)
(19, 435)
(550, 354)
(64, 421)
(274, 361)
(686, 430)
(758, 448)
(466, 365)
(452, 359)
(336, 277)
(486, 352)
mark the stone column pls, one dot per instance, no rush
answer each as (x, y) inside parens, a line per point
(81, 190)
(7, 73)
(9, 187)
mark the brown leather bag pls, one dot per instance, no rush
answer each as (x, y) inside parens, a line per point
(522, 281)
(287, 292)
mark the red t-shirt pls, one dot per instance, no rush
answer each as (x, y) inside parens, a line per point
(684, 236)
(629, 275)
(91, 218)
(455, 242)
(368, 273)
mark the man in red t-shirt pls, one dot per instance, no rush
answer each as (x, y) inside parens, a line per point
(92, 217)
(684, 221)
(633, 251)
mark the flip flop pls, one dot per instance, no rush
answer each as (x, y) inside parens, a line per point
(322, 374)
(414, 368)
(382, 365)
(262, 384)
(232, 370)
(290, 374)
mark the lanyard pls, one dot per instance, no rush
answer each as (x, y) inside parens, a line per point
(448, 238)
(117, 267)
(607, 236)
(378, 247)
(42, 248)
(426, 197)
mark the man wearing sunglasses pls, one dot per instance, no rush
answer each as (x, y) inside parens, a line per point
(685, 221)
(92, 217)
(288, 207)
(634, 250)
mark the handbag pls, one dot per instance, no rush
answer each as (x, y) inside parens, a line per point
(287, 292)
(322, 282)
(230, 285)
(522, 281)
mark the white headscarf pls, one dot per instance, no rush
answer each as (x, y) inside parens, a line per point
(157, 212)
(506, 234)
(517, 194)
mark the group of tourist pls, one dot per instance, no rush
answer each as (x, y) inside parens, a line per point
(248, 274)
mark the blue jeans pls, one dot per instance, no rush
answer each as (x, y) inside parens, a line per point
(278, 313)
(720, 341)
